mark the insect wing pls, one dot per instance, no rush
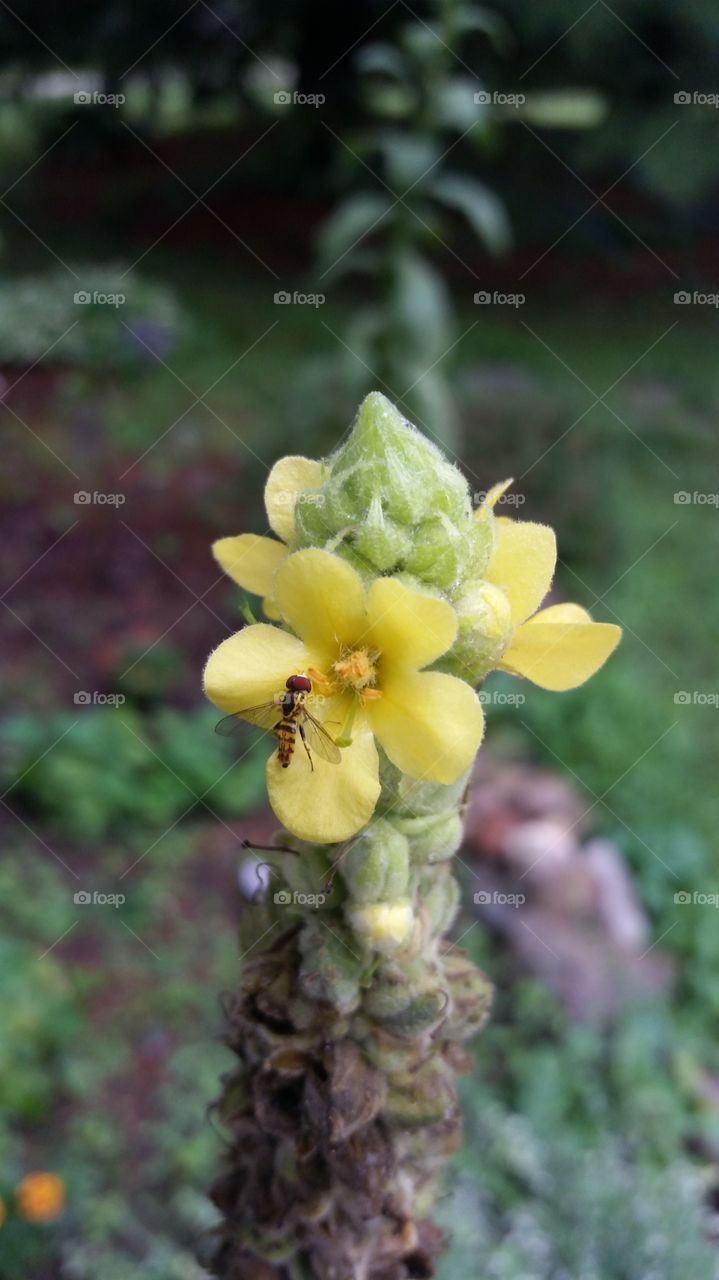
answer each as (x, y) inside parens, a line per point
(265, 716)
(319, 740)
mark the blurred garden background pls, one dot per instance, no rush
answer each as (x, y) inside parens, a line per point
(222, 223)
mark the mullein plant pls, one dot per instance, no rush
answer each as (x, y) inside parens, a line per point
(392, 599)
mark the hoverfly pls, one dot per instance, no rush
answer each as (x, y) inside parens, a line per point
(286, 715)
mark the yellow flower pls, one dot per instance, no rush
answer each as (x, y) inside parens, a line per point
(251, 560)
(364, 652)
(559, 647)
(383, 926)
(40, 1197)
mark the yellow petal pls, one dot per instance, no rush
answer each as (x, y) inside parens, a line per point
(430, 724)
(560, 650)
(322, 598)
(331, 802)
(252, 666)
(522, 564)
(289, 477)
(409, 628)
(250, 560)
(561, 613)
(270, 609)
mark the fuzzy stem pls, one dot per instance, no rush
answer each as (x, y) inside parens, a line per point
(341, 1109)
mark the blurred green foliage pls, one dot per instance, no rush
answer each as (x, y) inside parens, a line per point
(114, 770)
(105, 319)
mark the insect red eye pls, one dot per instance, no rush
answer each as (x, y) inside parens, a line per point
(299, 684)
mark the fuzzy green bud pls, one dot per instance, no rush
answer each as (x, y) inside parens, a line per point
(395, 502)
(376, 867)
(433, 838)
(484, 629)
(331, 970)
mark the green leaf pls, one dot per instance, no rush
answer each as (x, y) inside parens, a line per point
(420, 309)
(563, 109)
(484, 212)
(350, 223)
(382, 59)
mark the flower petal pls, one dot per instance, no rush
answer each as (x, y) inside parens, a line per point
(522, 564)
(250, 561)
(567, 612)
(430, 724)
(322, 598)
(332, 801)
(289, 477)
(409, 628)
(251, 666)
(560, 649)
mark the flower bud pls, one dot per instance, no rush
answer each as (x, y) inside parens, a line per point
(330, 969)
(383, 926)
(376, 866)
(433, 838)
(485, 626)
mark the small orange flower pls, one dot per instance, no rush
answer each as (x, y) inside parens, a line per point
(3, 1211)
(40, 1197)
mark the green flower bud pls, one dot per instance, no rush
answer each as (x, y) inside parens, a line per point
(485, 627)
(376, 867)
(418, 1098)
(407, 797)
(470, 995)
(330, 971)
(438, 892)
(433, 838)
